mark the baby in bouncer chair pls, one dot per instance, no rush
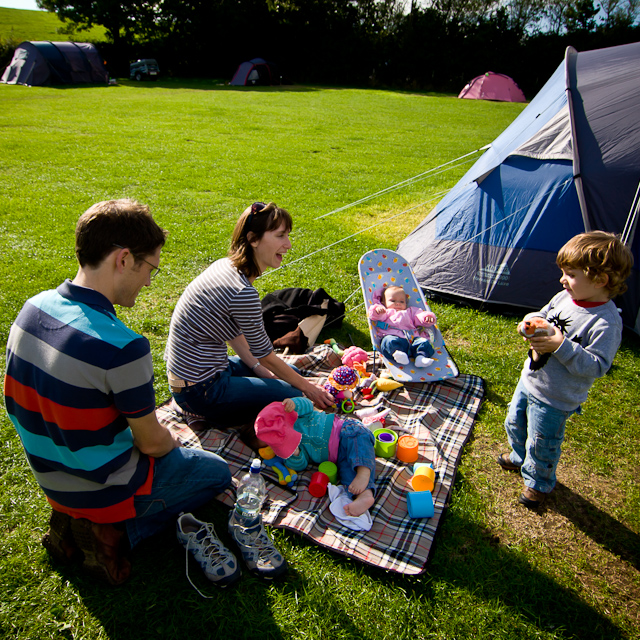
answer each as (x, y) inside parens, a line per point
(402, 328)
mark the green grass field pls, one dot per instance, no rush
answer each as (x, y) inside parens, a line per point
(198, 153)
(17, 25)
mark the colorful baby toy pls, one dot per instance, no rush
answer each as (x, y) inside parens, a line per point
(285, 475)
(342, 380)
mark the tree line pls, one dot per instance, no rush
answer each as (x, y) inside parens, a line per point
(438, 46)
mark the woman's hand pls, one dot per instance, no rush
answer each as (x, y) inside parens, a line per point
(262, 372)
(320, 397)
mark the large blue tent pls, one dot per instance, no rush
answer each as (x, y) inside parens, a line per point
(569, 162)
(53, 63)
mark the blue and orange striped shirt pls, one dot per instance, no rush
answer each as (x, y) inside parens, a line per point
(75, 373)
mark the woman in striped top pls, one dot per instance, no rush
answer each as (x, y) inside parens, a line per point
(222, 307)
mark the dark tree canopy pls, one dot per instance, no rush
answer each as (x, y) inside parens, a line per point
(438, 46)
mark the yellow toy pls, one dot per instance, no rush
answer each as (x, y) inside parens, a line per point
(384, 384)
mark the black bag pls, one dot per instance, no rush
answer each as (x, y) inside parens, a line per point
(282, 310)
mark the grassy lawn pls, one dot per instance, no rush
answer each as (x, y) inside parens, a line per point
(18, 25)
(198, 153)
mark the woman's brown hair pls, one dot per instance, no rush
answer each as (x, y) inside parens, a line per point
(254, 222)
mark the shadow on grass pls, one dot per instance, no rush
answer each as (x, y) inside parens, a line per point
(158, 601)
(203, 84)
(471, 558)
(597, 524)
(473, 584)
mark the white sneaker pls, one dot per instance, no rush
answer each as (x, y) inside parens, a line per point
(199, 538)
(421, 361)
(401, 357)
(257, 548)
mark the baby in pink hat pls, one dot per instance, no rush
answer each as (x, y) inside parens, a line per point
(300, 435)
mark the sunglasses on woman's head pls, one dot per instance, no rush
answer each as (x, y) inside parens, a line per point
(256, 207)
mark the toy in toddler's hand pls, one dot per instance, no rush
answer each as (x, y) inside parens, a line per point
(532, 326)
(285, 475)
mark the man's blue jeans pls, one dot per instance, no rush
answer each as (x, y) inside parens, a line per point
(183, 480)
(536, 432)
(356, 449)
(235, 396)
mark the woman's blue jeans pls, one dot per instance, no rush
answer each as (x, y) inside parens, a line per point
(183, 480)
(235, 396)
(536, 432)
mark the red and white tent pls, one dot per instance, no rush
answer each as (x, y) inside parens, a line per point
(493, 86)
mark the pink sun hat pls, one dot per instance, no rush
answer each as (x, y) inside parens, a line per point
(274, 426)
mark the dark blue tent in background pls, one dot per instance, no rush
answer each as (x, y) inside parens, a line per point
(50, 63)
(569, 162)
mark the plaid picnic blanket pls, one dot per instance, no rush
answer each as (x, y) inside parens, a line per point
(440, 415)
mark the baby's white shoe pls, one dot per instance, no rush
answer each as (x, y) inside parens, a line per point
(401, 357)
(421, 361)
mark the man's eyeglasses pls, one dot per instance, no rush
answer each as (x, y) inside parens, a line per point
(154, 270)
(256, 207)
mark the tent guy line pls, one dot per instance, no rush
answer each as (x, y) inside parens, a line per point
(357, 233)
(408, 181)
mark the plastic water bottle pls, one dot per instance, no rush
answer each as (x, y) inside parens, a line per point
(251, 493)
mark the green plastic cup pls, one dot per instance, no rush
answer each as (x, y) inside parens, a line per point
(330, 470)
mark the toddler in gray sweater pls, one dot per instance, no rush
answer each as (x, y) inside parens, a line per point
(584, 334)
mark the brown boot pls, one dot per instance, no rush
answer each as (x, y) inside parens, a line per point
(531, 498)
(505, 462)
(103, 547)
(58, 541)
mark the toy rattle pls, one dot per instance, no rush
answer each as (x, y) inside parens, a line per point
(285, 475)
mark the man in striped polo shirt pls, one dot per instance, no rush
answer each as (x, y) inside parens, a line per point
(79, 390)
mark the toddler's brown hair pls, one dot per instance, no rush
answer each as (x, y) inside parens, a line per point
(598, 253)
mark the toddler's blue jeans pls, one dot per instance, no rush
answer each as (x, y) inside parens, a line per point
(535, 431)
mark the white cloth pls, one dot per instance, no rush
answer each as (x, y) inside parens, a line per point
(339, 499)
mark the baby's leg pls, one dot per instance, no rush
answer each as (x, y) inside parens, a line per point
(362, 502)
(360, 482)
(395, 348)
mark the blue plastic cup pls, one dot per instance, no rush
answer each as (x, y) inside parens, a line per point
(420, 504)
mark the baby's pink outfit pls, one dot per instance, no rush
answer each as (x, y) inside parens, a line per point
(400, 321)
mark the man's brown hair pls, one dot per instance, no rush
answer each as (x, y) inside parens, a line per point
(125, 223)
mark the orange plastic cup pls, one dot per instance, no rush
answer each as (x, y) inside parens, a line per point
(424, 479)
(407, 449)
